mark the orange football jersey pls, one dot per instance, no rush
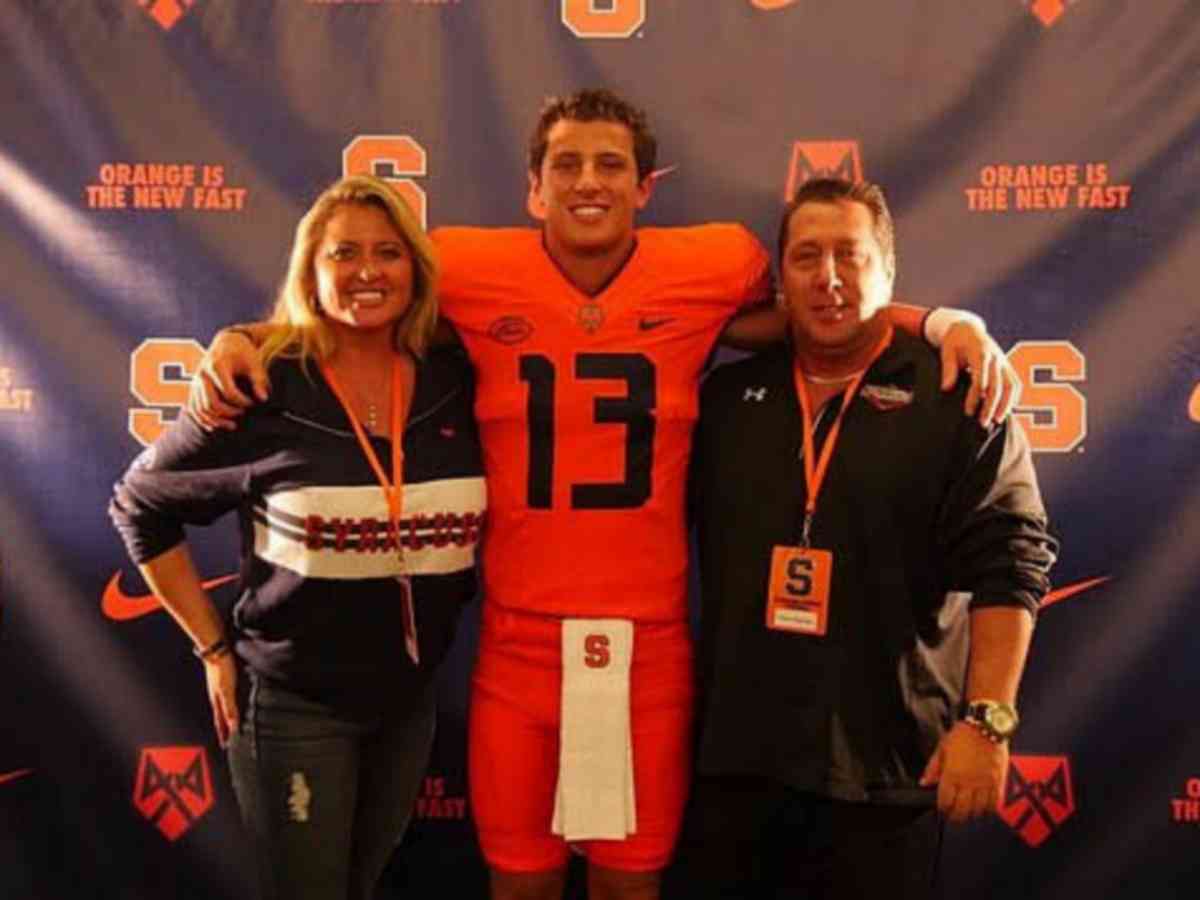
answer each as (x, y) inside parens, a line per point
(586, 407)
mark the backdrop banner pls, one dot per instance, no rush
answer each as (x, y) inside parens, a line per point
(1042, 158)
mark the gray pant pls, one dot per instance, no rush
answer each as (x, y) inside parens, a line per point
(326, 797)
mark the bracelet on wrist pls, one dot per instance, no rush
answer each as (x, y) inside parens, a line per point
(215, 650)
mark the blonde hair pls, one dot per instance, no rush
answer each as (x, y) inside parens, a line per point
(301, 331)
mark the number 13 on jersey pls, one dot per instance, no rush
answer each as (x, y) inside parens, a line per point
(634, 411)
(798, 590)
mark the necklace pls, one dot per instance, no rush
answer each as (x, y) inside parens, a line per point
(840, 379)
(371, 397)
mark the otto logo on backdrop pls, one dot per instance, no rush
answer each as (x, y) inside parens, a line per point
(822, 159)
(164, 186)
(173, 788)
(15, 398)
(1038, 798)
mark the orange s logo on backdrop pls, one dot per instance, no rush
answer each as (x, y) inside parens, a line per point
(603, 18)
(1052, 410)
(395, 157)
(623, 18)
(159, 372)
(13, 398)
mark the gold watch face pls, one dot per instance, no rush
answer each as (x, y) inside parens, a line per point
(1001, 720)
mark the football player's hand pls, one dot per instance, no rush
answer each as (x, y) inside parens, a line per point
(995, 387)
(214, 399)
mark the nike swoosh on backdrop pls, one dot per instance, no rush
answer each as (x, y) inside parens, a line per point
(121, 607)
(14, 775)
(1070, 590)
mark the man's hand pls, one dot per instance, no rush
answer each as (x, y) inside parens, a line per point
(214, 400)
(993, 380)
(969, 771)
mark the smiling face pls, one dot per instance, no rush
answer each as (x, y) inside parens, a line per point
(363, 269)
(835, 277)
(587, 191)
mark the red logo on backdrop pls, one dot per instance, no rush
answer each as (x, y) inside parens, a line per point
(436, 802)
(1186, 810)
(1194, 404)
(121, 607)
(174, 788)
(1067, 591)
(822, 159)
(166, 12)
(1049, 11)
(14, 775)
(1038, 796)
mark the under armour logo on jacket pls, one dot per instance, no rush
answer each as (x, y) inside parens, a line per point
(758, 394)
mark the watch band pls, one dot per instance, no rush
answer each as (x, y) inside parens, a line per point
(993, 719)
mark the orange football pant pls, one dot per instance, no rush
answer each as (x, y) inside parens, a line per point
(514, 737)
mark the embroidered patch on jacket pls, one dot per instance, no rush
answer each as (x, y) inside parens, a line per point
(886, 397)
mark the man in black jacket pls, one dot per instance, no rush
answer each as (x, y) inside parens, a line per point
(872, 562)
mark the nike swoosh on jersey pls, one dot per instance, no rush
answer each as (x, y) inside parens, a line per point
(648, 324)
(14, 775)
(1070, 590)
(121, 607)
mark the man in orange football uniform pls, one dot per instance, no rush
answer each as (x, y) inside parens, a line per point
(588, 338)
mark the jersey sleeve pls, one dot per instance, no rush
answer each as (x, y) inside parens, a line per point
(757, 285)
(473, 262)
(735, 259)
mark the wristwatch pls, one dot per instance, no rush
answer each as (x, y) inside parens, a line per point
(995, 720)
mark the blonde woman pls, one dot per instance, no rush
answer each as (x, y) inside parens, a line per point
(360, 496)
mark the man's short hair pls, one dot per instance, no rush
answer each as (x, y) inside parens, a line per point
(594, 105)
(833, 190)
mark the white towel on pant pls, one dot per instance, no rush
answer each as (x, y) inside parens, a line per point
(594, 799)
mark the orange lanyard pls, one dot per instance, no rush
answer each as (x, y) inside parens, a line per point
(815, 470)
(392, 492)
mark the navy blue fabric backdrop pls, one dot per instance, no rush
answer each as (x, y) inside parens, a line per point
(1043, 161)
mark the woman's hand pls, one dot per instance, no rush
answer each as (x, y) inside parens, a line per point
(221, 674)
